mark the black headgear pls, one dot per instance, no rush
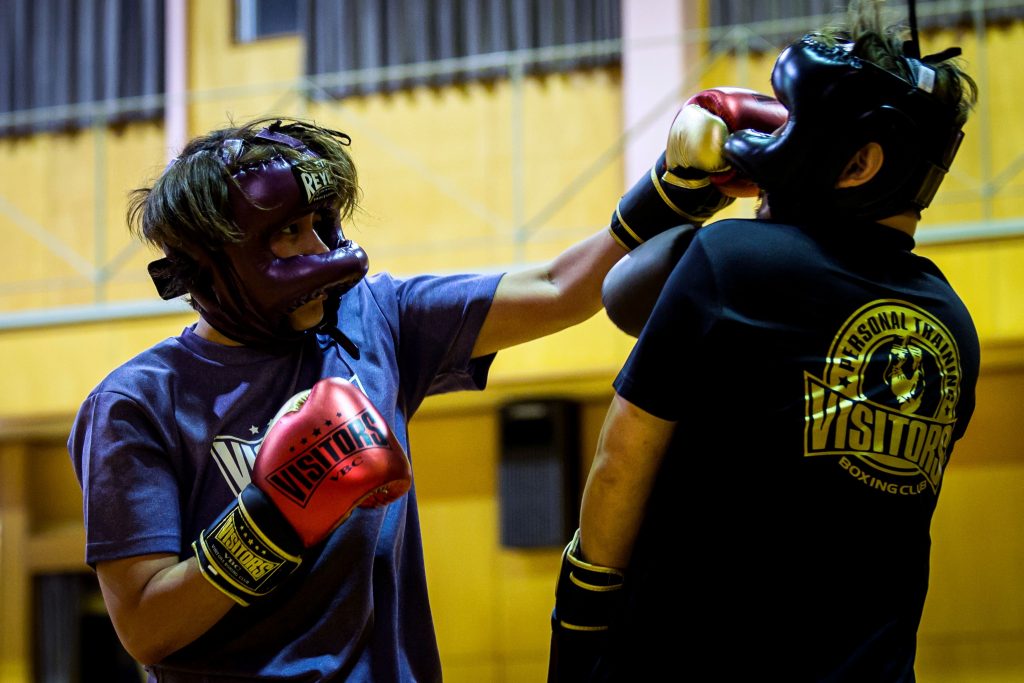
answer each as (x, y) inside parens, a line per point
(837, 103)
(242, 289)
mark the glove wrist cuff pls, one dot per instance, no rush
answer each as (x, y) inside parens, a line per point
(656, 203)
(249, 550)
(587, 595)
(590, 576)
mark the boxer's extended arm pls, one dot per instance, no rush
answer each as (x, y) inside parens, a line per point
(682, 188)
(539, 301)
(629, 453)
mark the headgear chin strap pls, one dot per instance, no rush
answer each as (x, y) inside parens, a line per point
(242, 289)
(837, 103)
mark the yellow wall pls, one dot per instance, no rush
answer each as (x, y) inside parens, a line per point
(492, 604)
(55, 190)
(440, 194)
(973, 624)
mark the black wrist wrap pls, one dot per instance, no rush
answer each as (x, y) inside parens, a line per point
(662, 200)
(250, 549)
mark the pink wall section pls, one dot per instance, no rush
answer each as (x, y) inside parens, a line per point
(654, 66)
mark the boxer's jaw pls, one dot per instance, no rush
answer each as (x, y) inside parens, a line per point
(308, 315)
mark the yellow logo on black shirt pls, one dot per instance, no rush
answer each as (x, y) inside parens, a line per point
(887, 401)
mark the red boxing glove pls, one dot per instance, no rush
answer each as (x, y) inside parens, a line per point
(326, 452)
(739, 109)
(330, 453)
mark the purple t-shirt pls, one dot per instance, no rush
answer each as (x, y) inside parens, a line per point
(167, 441)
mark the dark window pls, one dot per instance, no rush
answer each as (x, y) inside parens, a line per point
(73, 637)
(361, 46)
(255, 19)
(779, 22)
(68, 64)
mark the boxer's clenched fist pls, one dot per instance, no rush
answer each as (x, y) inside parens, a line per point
(326, 452)
(695, 141)
(587, 596)
(698, 133)
(693, 180)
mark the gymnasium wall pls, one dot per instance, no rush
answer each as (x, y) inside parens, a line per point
(441, 193)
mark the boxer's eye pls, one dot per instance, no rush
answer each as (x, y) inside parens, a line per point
(283, 240)
(325, 225)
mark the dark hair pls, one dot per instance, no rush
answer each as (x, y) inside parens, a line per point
(879, 40)
(188, 204)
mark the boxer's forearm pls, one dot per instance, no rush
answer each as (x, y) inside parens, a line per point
(539, 301)
(629, 454)
(158, 604)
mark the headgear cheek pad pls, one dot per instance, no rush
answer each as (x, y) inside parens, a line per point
(244, 290)
(837, 103)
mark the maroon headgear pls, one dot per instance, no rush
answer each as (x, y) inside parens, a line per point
(241, 288)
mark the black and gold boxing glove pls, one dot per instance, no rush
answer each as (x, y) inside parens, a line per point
(693, 180)
(587, 597)
(662, 200)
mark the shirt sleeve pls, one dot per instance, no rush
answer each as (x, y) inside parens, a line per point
(439, 320)
(130, 494)
(669, 347)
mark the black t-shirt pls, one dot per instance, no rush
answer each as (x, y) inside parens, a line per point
(819, 377)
